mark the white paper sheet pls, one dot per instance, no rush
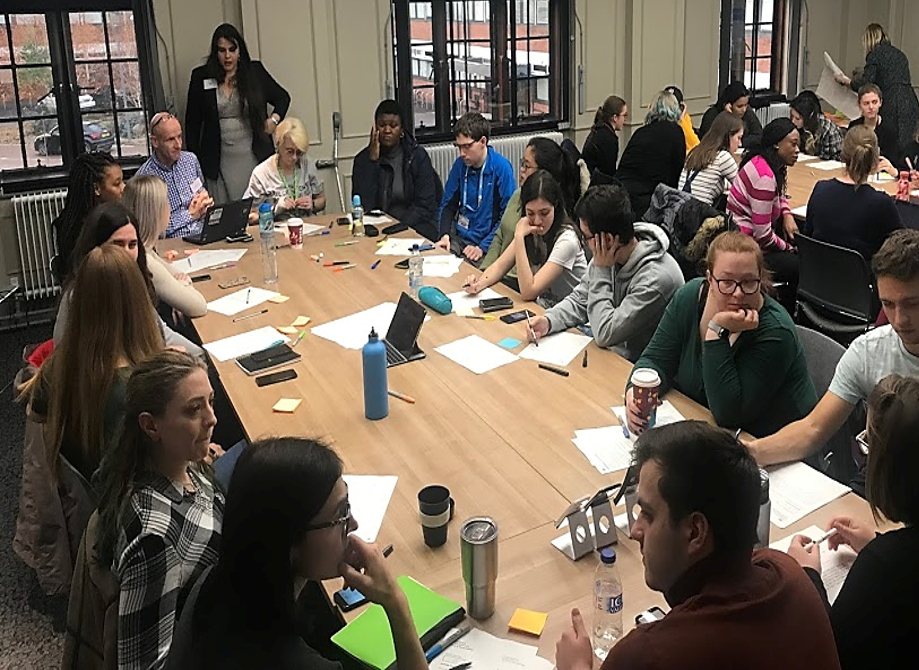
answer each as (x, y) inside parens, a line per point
(666, 413)
(485, 650)
(243, 299)
(558, 349)
(369, 498)
(244, 343)
(800, 211)
(880, 178)
(834, 565)
(462, 300)
(207, 258)
(842, 98)
(310, 228)
(830, 63)
(607, 449)
(351, 331)
(796, 490)
(827, 165)
(803, 158)
(476, 354)
(399, 246)
(441, 266)
(375, 220)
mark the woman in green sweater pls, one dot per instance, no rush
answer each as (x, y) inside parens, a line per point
(728, 345)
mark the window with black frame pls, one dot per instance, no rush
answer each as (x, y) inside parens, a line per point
(753, 34)
(506, 59)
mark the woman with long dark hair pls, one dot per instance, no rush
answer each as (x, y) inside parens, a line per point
(710, 167)
(819, 136)
(546, 250)
(227, 124)
(601, 148)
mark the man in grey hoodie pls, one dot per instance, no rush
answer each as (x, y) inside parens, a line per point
(628, 283)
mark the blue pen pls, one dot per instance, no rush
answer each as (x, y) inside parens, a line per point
(425, 247)
(445, 642)
(625, 431)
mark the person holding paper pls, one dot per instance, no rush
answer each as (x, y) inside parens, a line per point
(628, 282)
(819, 136)
(870, 100)
(180, 170)
(886, 350)
(888, 67)
(731, 606)
(728, 345)
(874, 617)
(479, 186)
(735, 98)
(847, 211)
(547, 250)
(288, 521)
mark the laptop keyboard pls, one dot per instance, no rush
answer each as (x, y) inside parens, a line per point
(393, 355)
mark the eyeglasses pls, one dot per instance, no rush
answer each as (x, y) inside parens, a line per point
(862, 440)
(343, 521)
(526, 167)
(159, 118)
(465, 146)
(747, 286)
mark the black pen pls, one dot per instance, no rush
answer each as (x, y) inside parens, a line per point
(462, 666)
(584, 360)
(249, 316)
(558, 371)
(387, 550)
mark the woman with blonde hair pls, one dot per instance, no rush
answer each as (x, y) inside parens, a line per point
(80, 388)
(888, 67)
(710, 167)
(145, 195)
(288, 179)
(846, 210)
(728, 345)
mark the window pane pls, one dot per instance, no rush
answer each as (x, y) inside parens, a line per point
(121, 37)
(87, 35)
(7, 96)
(95, 89)
(30, 39)
(423, 107)
(4, 43)
(98, 132)
(422, 66)
(765, 11)
(43, 143)
(133, 133)
(35, 91)
(10, 148)
(128, 94)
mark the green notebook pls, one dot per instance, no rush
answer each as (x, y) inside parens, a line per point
(369, 639)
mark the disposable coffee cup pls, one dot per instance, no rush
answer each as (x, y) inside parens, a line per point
(479, 555)
(295, 232)
(646, 384)
(435, 509)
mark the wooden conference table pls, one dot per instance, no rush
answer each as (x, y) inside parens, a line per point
(501, 442)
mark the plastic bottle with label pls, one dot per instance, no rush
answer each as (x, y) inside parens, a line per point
(266, 241)
(415, 272)
(607, 623)
(357, 217)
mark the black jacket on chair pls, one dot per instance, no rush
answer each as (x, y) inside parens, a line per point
(202, 125)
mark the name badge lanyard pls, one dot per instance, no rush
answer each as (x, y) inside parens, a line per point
(292, 190)
(481, 182)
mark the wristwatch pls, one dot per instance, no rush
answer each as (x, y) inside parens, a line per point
(722, 332)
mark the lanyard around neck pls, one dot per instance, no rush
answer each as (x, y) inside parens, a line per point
(293, 190)
(465, 182)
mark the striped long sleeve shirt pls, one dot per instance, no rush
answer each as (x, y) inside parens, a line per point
(756, 204)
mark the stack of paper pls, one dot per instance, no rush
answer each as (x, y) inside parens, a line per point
(369, 497)
(559, 349)
(796, 490)
(484, 650)
(476, 354)
(351, 331)
(834, 565)
(242, 299)
(399, 246)
(245, 343)
(441, 266)
(207, 258)
(465, 301)
(607, 449)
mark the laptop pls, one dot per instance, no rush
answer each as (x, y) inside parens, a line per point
(402, 337)
(225, 220)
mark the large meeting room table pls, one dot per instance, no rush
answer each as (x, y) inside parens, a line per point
(500, 441)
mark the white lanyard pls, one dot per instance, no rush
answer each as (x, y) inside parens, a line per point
(466, 181)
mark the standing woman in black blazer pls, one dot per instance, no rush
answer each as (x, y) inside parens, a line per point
(226, 120)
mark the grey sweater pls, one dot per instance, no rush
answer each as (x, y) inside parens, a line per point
(623, 305)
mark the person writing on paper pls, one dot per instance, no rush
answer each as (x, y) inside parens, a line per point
(288, 524)
(180, 170)
(886, 350)
(479, 186)
(728, 345)
(874, 616)
(547, 249)
(710, 167)
(629, 280)
(731, 606)
(289, 176)
(735, 98)
(847, 211)
(888, 67)
(870, 101)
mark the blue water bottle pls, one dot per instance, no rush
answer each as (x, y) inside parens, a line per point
(266, 240)
(376, 391)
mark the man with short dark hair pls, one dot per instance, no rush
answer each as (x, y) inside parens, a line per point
(480, 184)
(893, 348)
(731, 607)
(188, 199)
(628, 282)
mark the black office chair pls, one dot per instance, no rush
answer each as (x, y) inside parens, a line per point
(835, 290)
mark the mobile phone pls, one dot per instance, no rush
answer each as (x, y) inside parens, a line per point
(343, 221)
(347, 599)
(650, 615)
(275, 377)
(495, 304)
(514, 317)
(201, 278)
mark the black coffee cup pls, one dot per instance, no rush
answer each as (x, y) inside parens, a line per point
(435, 507)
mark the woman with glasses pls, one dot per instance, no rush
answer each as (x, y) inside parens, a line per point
(288, 179)
(874, 616)
(160, 514)
(728, 345)
(287, 522)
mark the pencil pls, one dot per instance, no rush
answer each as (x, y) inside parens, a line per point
(826, 536)
(339, 268)
(249, 316)
(401, 396)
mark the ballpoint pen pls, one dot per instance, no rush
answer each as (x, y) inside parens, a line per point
(526, 313)
(299, 337)
(249, 316)
(445, 642)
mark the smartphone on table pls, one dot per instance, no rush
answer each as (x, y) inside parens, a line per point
(520, 315)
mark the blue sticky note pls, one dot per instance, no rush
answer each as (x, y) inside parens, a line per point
(509, 343)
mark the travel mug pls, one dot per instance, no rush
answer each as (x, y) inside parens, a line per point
(435, 509)
(479, 551)
(646, 384)
(765, 511)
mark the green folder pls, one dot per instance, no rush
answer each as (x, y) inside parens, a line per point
(369, 639)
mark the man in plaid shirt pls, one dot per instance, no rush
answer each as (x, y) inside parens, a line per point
(188, 199)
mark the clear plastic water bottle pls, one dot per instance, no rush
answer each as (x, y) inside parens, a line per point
(607, 604)
(357, 217)
(376, 391)
(266, 239)
(415, 272)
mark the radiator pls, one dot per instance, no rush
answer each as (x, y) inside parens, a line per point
(34, 213)
(511, 147)
(777, 110)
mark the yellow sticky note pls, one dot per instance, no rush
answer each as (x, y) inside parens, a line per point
(279, 298)
(287, 330)
(300, 321)
(288, 405)
(528, 621)
(464, 311)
